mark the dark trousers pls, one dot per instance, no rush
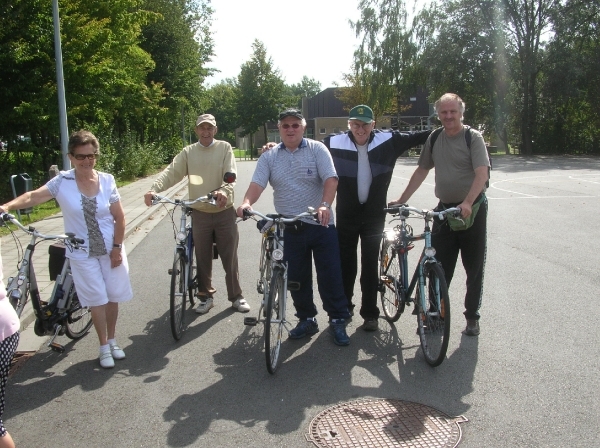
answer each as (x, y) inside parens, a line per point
(369, 231)
(472, 245)
(320, 243)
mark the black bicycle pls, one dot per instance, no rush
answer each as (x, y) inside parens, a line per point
(62, 313)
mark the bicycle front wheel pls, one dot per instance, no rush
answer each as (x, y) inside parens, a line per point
(178, 296)
(79, 319)
(433, 316)
(390, 281)
(274, 320)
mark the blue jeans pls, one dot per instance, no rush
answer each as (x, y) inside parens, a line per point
(322, 244)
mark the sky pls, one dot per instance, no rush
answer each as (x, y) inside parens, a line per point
(308, 37)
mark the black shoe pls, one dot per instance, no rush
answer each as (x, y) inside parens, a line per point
(371, 325)
(337, 328)
(472, 327)
(304, 328)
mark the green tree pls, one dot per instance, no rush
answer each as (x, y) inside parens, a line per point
(387, 54)
(307, 87)
(260, 89)
(461, 53)
(222, 99)
(181, 47)
(569, 119)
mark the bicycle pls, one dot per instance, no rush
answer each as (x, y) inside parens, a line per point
(63, 313)
(184, 279)
(273, 282)
(432, 304)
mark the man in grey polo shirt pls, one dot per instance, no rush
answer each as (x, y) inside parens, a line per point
(302, 175)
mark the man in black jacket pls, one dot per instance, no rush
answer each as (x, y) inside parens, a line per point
(364, 159)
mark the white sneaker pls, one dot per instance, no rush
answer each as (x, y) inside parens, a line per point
(117, 352)
(106, 360)
(241, 305)
(205, 305)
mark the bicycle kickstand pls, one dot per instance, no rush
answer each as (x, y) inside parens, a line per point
(55, 345)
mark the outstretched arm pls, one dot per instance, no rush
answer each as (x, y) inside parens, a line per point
(414, 183)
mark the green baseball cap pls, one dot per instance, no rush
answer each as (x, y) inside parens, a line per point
(362, 113)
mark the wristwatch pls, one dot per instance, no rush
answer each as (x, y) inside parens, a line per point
(117, 246)
(326, 204)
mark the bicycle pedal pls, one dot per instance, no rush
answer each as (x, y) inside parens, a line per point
(293, 286)
(57, 347)
(251, 321)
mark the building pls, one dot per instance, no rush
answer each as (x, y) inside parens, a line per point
(326, 114)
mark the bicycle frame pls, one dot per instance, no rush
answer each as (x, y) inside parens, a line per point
(274, 303)
(401, 237)
(51, 317)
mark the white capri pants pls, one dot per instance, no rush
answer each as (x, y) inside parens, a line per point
(97, 283)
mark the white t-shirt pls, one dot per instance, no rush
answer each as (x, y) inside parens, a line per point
(87, 217)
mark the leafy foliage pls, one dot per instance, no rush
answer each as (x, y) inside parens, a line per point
(260, 89)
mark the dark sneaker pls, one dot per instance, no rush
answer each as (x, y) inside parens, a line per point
(337, 327)
(472, 327)
(304, 328)
(371, 325)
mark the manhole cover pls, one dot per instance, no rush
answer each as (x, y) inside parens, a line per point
(384, 423)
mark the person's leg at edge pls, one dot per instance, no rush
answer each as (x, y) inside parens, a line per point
(227, 239)
(324, 243)
(6, 441)
(298, 257)
(348, 233)
(370, 242)
(446, 245)
(99, 318)
(8, 347)
(202, 230)
(473, 251)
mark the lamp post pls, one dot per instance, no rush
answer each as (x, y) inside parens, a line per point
(60, 82)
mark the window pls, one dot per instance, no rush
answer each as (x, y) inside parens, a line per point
(336, 130)
(322, 131)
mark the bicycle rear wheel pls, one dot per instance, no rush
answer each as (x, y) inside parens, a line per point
(433, 317)
(178, 296)
(390, 278)
(79, 319)
(274, 320)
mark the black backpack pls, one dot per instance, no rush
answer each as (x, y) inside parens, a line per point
(436, 133)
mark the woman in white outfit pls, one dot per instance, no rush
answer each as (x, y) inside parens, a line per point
(92, 210)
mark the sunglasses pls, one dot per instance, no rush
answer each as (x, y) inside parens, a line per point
(84, 156)
(287, 126)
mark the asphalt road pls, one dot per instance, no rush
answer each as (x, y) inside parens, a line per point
(529, 380)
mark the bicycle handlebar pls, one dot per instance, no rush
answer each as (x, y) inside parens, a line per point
(405, 211)
(208, 199)
(67, 237)
(311, 212)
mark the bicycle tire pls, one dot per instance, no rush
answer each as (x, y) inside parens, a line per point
(433, 320)
(193, 278)
(274, 321)
(391, 290)
(79, 319)
(178, 296)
